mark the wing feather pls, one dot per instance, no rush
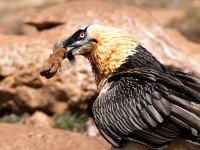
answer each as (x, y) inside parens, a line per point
(160, 108)
(146, 107)
(154, 113)
(148, 118)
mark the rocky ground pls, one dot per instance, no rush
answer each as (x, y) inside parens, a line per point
(27, 35)
(17, 137)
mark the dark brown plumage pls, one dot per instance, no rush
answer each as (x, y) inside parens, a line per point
(140, 99)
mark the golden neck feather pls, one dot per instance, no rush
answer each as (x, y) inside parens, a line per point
(107, 56)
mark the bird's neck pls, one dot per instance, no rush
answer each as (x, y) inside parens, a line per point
(105, 60)
(101, 73)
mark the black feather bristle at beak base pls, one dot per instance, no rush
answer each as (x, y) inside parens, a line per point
(69, 55)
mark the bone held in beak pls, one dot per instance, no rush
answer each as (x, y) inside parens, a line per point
(53, 63)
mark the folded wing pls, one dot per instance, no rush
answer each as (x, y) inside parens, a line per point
(148, 107)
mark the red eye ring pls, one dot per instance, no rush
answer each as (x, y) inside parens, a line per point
(82, 35)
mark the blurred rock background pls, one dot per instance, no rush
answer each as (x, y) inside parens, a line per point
(168, 28)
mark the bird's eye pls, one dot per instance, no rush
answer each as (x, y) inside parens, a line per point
(82, 35)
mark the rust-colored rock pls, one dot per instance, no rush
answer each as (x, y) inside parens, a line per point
(45, 98)
(22, 56)
(39, 119)
(6, 95)
(14, 137)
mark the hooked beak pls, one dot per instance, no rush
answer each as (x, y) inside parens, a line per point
(59, 44)
(77, 47)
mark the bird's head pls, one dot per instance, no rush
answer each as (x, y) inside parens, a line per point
(105, 47)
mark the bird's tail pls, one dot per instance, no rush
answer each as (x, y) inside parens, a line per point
(193, 87)
(191, 113)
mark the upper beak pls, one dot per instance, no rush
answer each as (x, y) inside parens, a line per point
(64, 44)
(59, 44)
